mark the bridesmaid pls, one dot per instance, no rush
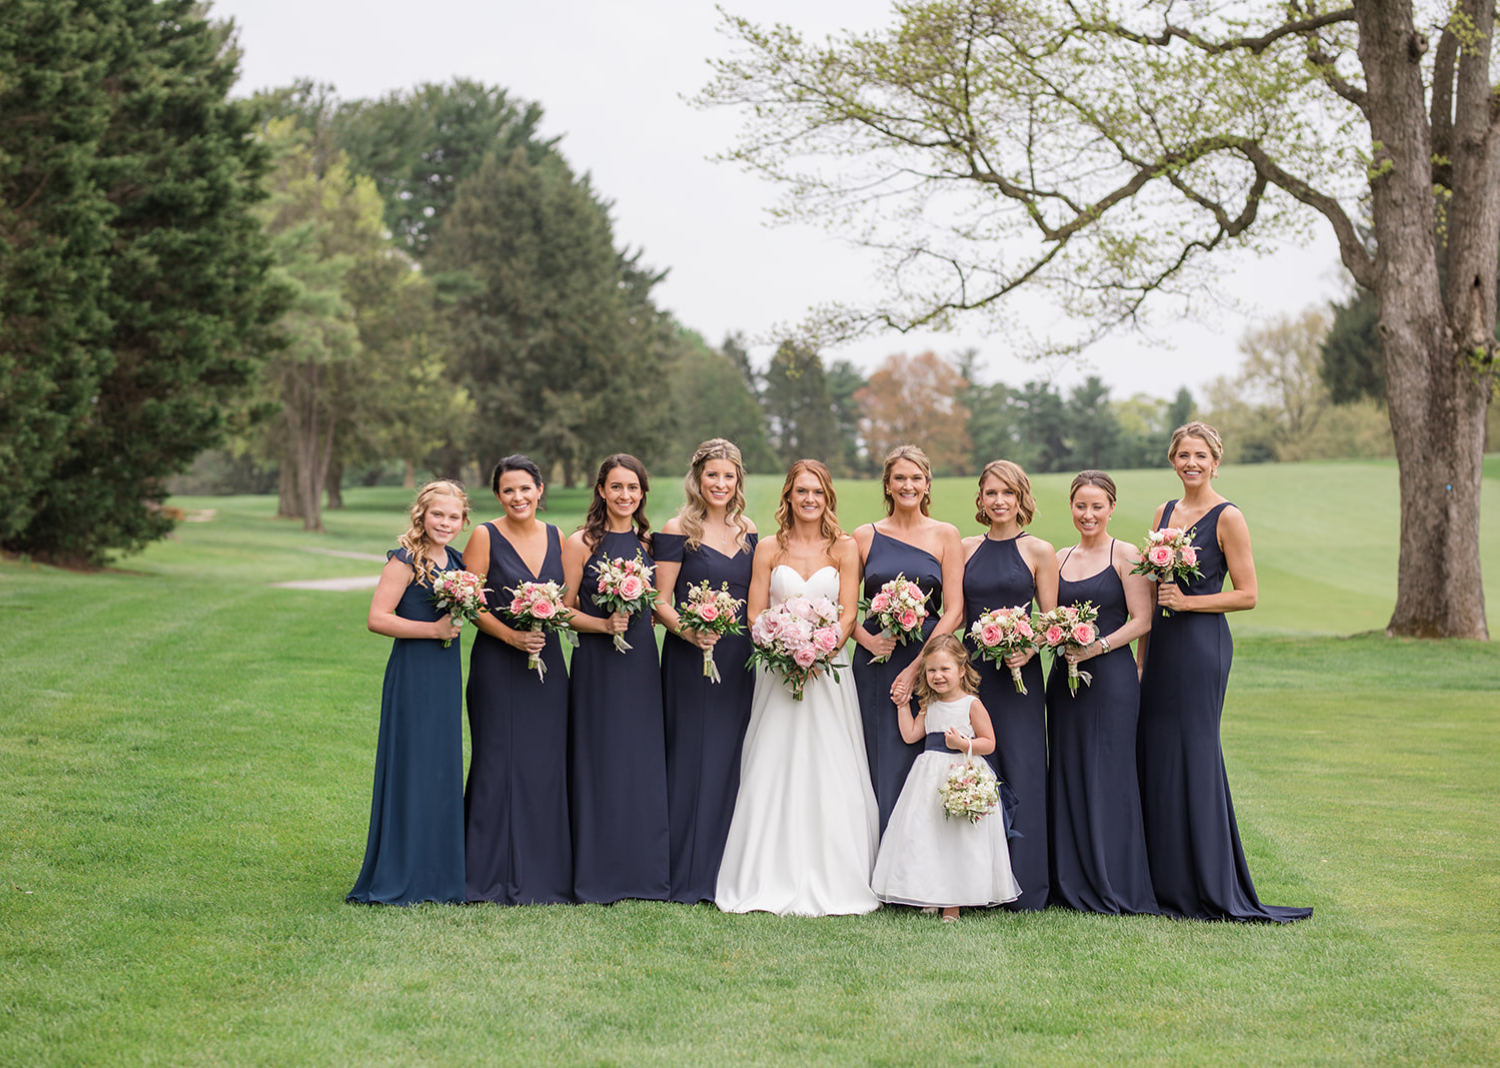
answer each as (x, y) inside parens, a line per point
(1098, 847)
(617, 765)
(930, 553)
(1197, 866)
(415, 849)
(517, 849)
(709, 539)
(1003, 568)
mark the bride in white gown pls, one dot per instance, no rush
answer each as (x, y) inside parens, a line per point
(806, 827)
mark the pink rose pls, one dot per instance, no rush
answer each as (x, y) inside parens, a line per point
(1054, 635)
(543, 609)
(1171, 533)
(908, 619)
(518, 607)
(1023, 628)
(1189, 555)
(1083, 633)
(805, 656)
(769, 624)
(632, 587)
(1159, 555)
(880, 602)
(826, 639)
(990, 635)
(708, 613)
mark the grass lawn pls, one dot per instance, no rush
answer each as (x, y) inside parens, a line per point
(185, 765)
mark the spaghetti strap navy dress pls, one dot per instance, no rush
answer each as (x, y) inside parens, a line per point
(705, 721)
(997, 576)
(1198, 868)
(415, 849)
(517, 846)
(890, 756)
(617, 753)
(1098, 845)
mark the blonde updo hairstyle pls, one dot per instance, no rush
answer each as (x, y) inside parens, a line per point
(914, 455)
(1012, 478)
(1204, 433)
(695, 507)
(952, 644)
(415, 540)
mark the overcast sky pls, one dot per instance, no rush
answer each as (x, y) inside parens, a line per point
(611, 76)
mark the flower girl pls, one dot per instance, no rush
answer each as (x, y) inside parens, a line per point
(929, 857)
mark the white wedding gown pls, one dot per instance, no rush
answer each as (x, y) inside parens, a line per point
(805, 829)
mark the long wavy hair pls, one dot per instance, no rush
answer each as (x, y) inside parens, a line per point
(415, 540)
(952, 644)
(1014, 479)
(694, 509)
(829, 526)
(914, 455)
(596, 522)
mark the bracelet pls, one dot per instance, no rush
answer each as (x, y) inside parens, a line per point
(1103, 645)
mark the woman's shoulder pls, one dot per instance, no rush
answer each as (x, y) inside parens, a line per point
(1035, 549)
(673, 526)
(401, 554)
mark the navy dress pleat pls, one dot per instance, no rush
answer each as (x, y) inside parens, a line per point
(1198, 867)
(997, 576)
(705, 721)
(517, 844)
(617, 764)
(415, 848)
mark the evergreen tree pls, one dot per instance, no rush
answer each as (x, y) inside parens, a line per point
(798, 407)
(1042, 423)
(1353, 363)
(710, 400)
(844, 381)
(1094, 429)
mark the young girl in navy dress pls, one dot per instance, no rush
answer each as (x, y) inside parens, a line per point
(926, 857)
(415, 850)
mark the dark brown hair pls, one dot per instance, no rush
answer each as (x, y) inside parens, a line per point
(595, 523)
(1092, 478)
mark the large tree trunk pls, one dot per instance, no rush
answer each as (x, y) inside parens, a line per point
(288, 503)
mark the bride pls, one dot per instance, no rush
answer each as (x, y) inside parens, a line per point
(805, 829)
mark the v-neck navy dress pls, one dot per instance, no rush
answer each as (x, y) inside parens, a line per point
(517, 845)
(1198, 867)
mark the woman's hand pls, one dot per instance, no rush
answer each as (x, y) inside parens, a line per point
(445, 629)
(530, 642)
(616, 623)
(901, 689)
(703, 639)
(1076, 655)
(877, 644)
(1021, 659)
(1170, 595)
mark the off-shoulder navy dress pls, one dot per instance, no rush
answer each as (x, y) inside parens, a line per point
(890, 756)
(1198, 868)
(997, 576)
(617, 753)
(517, 846)
(705, 721)
(415, 849)
(1098, 847)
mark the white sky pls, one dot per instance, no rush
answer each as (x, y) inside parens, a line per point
(611, 76)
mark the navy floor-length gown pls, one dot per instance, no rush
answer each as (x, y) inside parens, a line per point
(415, 849)
(1198, 867)
(890, 756)
(705, 721)
(1097, 844)
(517, 846)
(997, 576)
(617, 763)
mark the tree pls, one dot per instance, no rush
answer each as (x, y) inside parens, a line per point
(1042, 422)
(844, 383)
(133, 285)
(710, 400)
(1122, 145)
(914, 400)
(1094, 429)
(799, 411)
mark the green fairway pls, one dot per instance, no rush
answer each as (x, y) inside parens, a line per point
(185, 768)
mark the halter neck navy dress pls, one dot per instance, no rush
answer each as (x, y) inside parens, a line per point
(1098, 846)
(516, 839)
(1198, 868)
(617, 762)
(890, 756)
(997, 576)
(705, 721)
(415, 849)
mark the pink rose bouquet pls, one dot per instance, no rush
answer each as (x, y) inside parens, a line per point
(797, 639)
(625, 586)
(1069, 626)
(541, 605)
(968, 793)
(1168, 555)
(460, 594)
(713, 612)
(901, 607)
(1001, 632)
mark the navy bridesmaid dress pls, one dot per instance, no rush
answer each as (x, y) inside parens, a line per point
(617, 763)
(516, 841)
(1198, 868)
(415, 850)
(997, 576)
(889, 755)
(1098, 846)
(705, 721)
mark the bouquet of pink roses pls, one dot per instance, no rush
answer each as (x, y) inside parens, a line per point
(714, 612)
(625, 586)
(461, 595)
(968, 793)
(796, 639)
(541, 605)
(1168, 555)
(1001, 632)
(1065, 626)
(901, 607)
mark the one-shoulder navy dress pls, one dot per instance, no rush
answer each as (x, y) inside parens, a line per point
(1198, 868)
(997, 576)
(415, 849)
(705, 721)
(890, 756)
(517, 845)
(617, 753)
(1098, 847)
